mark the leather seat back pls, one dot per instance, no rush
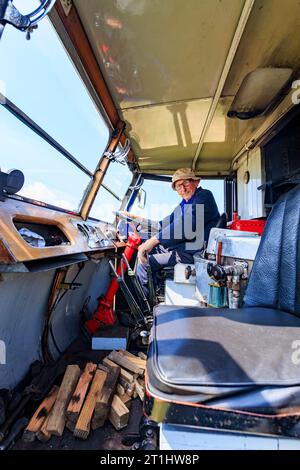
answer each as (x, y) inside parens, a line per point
(222, 222)
(275, 276)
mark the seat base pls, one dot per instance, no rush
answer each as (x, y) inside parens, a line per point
(233, 359)
(203, 417)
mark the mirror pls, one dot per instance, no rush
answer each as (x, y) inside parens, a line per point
(141, 199)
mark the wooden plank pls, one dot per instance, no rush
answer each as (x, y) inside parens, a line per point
(123, 373)
(57, 418)
(105, 398)
(125, 362)
(134, 359)
(131, 390)
(124, 383)
(142, 355)
(40, 416)
(43, 435)
(126, 399)
(80, 392)
(105, 368)
(139, 389)
(83, 425)
(120, 390)
(119, 413)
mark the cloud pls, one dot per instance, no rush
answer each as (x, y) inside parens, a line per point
(41, 192)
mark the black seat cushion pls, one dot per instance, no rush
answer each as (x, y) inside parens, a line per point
(197, 355)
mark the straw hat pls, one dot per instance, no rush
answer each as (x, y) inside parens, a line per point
(184, 174)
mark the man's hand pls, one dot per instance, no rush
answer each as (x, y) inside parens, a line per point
(146, 248)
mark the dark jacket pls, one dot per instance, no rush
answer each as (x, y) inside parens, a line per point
(173, 233)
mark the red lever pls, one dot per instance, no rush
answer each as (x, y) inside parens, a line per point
(105, 315)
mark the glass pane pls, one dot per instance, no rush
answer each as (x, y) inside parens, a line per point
(104, 206)
(39, 77)
(161, 199)
(217, 188)
(49, 177)
(117, 178)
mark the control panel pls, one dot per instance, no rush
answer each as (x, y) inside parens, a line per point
(96, 234)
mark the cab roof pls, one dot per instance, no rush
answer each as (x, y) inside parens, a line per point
(173, 68)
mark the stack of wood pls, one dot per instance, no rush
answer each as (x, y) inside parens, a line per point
(87, 399)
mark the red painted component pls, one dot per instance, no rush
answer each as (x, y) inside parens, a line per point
(254, 225)
(219, 252)
(105, 315)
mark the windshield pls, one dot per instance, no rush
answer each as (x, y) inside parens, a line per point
(39, 78)
(117, 180)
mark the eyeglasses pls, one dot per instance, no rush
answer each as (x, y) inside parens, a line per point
(184, 184)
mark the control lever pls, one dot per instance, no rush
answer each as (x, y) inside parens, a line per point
(138, 288)
(134, 307)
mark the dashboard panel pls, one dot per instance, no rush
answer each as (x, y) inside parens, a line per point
(30, 232)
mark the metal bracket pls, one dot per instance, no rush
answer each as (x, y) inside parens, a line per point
(67, 6)
(69, 285)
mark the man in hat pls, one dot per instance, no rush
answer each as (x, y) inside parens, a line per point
(173, 243)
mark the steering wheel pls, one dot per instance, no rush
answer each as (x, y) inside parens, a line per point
(126, 224)
(12, 15)
(125, 217)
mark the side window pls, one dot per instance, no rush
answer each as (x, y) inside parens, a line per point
(160, 200)
(38, 77)
(217, 188)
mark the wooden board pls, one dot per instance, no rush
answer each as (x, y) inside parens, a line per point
(124, 362)
(119, 413)
(83, 425)
(105, 398)
(57, 417)
(140, 390)
(43, 435)
(40, 416)
(134, 359)
(80, 392)
(124, 374)
(126, 399)
(142, 355)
